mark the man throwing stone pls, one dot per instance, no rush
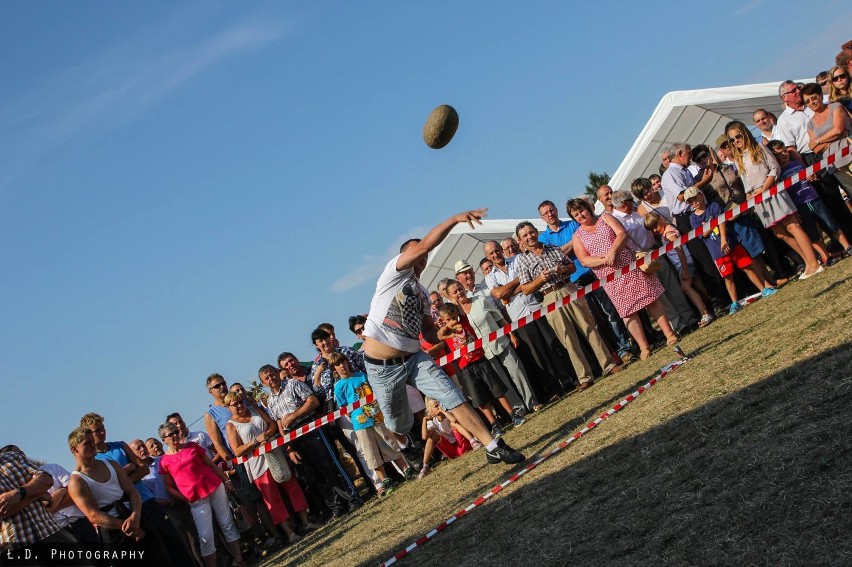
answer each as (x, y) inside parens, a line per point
(399, 312)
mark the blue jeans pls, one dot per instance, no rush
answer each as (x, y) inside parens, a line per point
(388, 383)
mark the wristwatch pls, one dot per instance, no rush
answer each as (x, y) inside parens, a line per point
(22, 491)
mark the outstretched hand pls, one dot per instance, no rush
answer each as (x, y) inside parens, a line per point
(471, 217)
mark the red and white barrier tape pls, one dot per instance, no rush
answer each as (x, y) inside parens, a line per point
(301, 430)
(667, 247)
(665, 371)
(494, 335)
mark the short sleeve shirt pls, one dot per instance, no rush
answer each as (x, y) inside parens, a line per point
(193, 478)
(561, 237)
(520, 305)
(326, 388)
(397, 309)
(350, 390)
(792, 129)
(292, 396)
(530, 265)
(33, 523)
(713, 239)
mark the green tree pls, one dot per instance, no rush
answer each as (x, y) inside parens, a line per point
(595, 181)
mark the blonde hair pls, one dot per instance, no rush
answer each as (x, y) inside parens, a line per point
(835, 94)
(232, 397)
(77, 436)
(652, 221)
(335, 359)
(91, 419)
(751, 146)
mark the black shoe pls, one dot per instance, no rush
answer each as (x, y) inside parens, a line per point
(503, 453)
(496, 430)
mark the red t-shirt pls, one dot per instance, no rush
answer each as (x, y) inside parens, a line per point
(458, 341)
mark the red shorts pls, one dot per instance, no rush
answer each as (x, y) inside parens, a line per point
(738, 257)
(454, 450)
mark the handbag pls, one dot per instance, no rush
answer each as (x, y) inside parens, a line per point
(279, 467)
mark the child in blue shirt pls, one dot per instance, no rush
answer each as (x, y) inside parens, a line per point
(724, 248)
(367, 421)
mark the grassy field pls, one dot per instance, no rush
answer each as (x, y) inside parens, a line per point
(742, 456)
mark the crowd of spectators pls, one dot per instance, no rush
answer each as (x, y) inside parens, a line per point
(178, 496)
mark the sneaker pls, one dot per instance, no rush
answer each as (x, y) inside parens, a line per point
(707, 319)
(424, 471)
(503, 453)
(735, 307)
(496, 430)
(409, 473)
(517, 420)
(768, 291)
(309, 527)
(476, 445)
(294, 537)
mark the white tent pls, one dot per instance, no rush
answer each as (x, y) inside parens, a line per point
(695, 117)
(464, 243)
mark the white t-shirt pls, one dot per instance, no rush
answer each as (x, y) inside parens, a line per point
(443, 427)
(202, 439)
(397, 309)
(61, 477)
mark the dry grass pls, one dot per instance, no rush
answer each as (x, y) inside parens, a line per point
(742, 456)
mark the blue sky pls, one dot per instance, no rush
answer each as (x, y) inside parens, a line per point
(190, 188)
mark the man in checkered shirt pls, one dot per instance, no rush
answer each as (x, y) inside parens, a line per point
(545, 269)
(24, 517)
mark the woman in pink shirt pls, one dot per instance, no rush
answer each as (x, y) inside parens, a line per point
(189, 475)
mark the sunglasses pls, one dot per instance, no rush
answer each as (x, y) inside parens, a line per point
(823, 83)
(168, 435)
(218, 386)
(701, 157)
(358, 330)
(235, 404)
(797, 89)
(735, 138)
(839, 77)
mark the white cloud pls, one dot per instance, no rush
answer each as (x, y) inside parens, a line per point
(371, 266)
(86, 102)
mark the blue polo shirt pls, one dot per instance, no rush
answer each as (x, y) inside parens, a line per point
(115, 452)
(563, 236)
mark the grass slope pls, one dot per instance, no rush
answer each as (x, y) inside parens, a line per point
(742, 456)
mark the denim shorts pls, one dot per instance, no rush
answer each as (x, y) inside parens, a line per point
(419, 370)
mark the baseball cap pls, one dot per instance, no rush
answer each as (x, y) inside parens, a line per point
(690, 193)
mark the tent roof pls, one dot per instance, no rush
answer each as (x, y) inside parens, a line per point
(464, 243)
(696, 117)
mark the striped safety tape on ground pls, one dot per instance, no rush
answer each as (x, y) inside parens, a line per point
(665, 371)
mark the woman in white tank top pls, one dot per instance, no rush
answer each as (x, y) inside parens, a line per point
(96, 484)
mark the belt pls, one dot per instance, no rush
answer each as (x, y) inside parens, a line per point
(387, 361)
(554, 288)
